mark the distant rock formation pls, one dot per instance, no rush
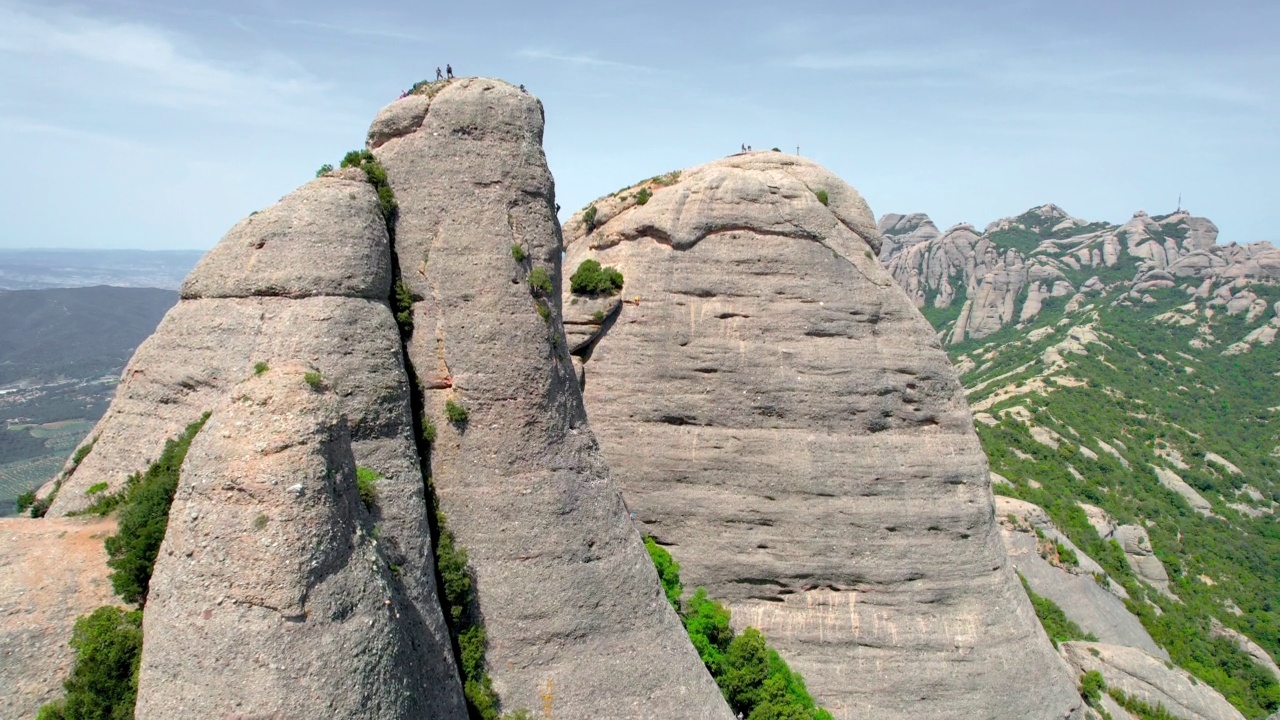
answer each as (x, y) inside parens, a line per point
(1151, 680)
(574, 615)
(1004, 275)
(782, 419)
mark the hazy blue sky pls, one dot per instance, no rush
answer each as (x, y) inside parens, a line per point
(160, 123)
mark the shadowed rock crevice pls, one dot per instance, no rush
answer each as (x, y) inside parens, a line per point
(572, 608)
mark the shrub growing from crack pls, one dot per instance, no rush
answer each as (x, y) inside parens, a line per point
(367, 486)
(456, 413)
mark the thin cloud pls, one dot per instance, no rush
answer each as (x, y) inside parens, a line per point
(355, 31)
(23, 126)
(581, 60)
(142, 64)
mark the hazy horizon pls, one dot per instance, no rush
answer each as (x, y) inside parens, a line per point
(159, 125)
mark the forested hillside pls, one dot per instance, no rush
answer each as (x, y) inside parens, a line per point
(61, 353)
(1140, 394)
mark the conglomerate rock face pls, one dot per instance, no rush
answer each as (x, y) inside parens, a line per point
(306, 280)
(573, 612)
(272, 596)
(51, 572)
(782, 419)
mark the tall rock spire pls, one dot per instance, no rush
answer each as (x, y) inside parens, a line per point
(575, 618)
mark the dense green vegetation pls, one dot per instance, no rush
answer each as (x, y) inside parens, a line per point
(754, 679)
(103, 684)
(456, 413)
(143, 518)
(1139, 397)
(592, 279)
(822, 196)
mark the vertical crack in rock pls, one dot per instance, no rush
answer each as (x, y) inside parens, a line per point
(575, 618)
(778, 412)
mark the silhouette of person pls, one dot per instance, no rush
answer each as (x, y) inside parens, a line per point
(439, 75)
(448, 71)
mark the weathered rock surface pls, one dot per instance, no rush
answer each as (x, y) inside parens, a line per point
(1094, 608)
(51, 572)
(272, 596)
(1142, 559)
(265, 299)
(573, 612)
(325, 239)
(781, 418)
(1138, 674)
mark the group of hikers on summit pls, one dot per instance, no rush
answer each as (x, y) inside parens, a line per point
(447, 74)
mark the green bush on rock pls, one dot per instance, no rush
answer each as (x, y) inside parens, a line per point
(592, 279)
(103, 681)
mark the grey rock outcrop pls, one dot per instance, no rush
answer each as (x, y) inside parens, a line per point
(271, 595)
(1142, 559)
(783, 420)
(1095, 608)
(573, 612)
(238, 311)
(1139, 675)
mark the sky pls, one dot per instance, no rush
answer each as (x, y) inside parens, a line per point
(158, 124)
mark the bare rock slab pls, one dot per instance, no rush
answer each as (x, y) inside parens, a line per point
(1149, 679)
(271, 596)
(782, 419)
(51, 572)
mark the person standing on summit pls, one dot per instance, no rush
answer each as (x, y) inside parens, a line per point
(439, 75)
(448, 71)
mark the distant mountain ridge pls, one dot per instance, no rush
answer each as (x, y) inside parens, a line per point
(1123, 385)
(971, 284)
(75, 332)
(36, 269)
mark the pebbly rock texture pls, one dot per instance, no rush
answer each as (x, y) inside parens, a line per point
(307, 279)
(51, 572)
(783, 420)
(1151, 680)
(272, 596)
(573, 612)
